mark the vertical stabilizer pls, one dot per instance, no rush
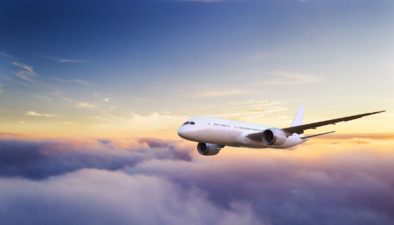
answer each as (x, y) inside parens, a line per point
(299, 117)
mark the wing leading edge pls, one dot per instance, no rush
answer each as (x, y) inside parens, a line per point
(301, 128)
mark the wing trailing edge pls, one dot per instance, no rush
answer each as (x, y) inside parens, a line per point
(315, 135)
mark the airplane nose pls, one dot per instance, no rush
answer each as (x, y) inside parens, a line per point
(181, 132)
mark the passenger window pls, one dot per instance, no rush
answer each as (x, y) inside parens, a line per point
(185, 123)
(192, 123)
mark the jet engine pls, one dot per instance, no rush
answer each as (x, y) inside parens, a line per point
(208, 149)
(274, 136)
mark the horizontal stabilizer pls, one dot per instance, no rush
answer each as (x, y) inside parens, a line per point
(315, 135)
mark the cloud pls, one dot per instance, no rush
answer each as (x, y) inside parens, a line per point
(80, 82)
(218, 93)
(85, 105)
(101, 197)
(42, 159)
(6, 56)
(375, 136)
(154, 142)
(150, 183)
(25, 72)
(33, 113)
(64, 60)
(350, 187)
(288, 78)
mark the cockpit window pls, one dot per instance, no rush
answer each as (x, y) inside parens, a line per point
(189, 122)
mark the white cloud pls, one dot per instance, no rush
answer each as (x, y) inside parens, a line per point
(218, 93)
(155, 184)
(139, 199)
(76, 81)
(25, 72)
(85, 105)
(64, 60)
(106, 100)
(6, 55)
(289, 78)
(33, 113)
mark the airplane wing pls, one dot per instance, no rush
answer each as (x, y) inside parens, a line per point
(301, 128)
(316, 135)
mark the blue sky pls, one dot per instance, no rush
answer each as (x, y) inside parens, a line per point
(182, 58)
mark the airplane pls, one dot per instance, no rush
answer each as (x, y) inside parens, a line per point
(213, 134)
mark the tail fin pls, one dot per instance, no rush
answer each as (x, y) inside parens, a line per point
(299, 117)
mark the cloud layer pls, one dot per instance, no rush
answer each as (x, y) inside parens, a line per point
(164, 182)
(43, 159)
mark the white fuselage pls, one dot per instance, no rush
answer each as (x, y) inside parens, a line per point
(229, 133)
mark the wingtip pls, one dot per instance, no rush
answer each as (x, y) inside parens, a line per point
(376, 112)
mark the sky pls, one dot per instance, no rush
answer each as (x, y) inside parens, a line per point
(119, 68)
(92, 94)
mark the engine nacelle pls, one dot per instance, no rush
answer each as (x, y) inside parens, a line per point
(274, 137)
(208, 149)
